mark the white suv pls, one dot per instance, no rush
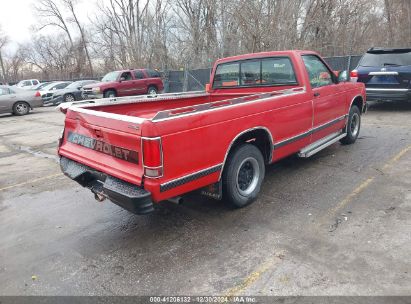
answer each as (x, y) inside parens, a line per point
(27, 84)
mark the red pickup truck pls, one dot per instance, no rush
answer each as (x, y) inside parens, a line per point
(257, 109)
(125, 83)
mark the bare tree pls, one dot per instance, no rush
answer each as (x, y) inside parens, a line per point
(4, 39)
(70, 5)
(51, 15)
(168, 34)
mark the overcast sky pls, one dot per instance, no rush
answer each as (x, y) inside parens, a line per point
(17, 17)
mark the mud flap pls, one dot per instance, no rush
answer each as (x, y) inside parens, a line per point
(214, 191)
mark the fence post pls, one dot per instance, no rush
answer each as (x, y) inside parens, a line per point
(166, 80)
(185, 82)
(349, 63)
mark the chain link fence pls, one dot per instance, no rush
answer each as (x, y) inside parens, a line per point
(195, 80)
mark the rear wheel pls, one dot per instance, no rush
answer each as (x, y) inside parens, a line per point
(152, 91)
(353, 126)
(110, 94)
(21, 108)
(243, 176)
(69, 98)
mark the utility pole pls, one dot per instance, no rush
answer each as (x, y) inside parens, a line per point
(3, 70)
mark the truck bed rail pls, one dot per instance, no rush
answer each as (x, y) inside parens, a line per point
(85, 105)
(189, 110)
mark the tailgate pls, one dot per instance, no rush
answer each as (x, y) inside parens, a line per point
(105, 144)
(388, 78)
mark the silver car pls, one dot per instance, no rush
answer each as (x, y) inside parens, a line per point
(47, 91)
(18, 101)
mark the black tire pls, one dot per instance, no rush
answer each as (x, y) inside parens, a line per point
(243, 175)
(152, 91)
(69, 98)
(21, 108)
(353, 126)
(110, 94)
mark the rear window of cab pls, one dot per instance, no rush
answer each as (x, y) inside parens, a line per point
(274, 71)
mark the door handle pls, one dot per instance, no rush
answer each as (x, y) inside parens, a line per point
(316, 94)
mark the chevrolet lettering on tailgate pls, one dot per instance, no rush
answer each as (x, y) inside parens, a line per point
(103, 147)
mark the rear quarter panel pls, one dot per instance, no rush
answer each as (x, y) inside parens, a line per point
(197, 142)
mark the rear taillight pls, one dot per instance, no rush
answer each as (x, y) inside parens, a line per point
(152, 157)
(37, 94)
(354, 74)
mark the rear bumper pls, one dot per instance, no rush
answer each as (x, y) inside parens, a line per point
(128, 196)
(374, 94)
(54, 100)
(91, 95)
(36, 103)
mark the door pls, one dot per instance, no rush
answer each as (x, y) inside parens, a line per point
(329, 100)
(126, 87)
(7, 100)
(140, 82)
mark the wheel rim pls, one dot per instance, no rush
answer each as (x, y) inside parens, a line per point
(248, 174)
(21, 108)
(111, 95)
(355, 125)
(152, 92)
(69, 98)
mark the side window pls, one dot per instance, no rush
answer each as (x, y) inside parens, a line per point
(127, 76)
(35, 82)
(27, 83)
(153, 74)
(61, 86)
(277, 71)
(251, 72)
(227, 75)
(318, 72)
(138, 74)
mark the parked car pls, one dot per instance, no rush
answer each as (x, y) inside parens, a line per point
(41, 85)
(18, 101)
(27, 84)
(47, 91)
(143, 151)
(386, 74)
(125, 83)
(70, 93)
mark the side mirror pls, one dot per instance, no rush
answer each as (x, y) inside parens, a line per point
(122, 79)
(208, 88)
(344, 76)
(79, 88)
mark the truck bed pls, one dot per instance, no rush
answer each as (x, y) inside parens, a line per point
(168, 105)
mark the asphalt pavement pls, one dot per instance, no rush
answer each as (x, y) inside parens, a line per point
(338, 223)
